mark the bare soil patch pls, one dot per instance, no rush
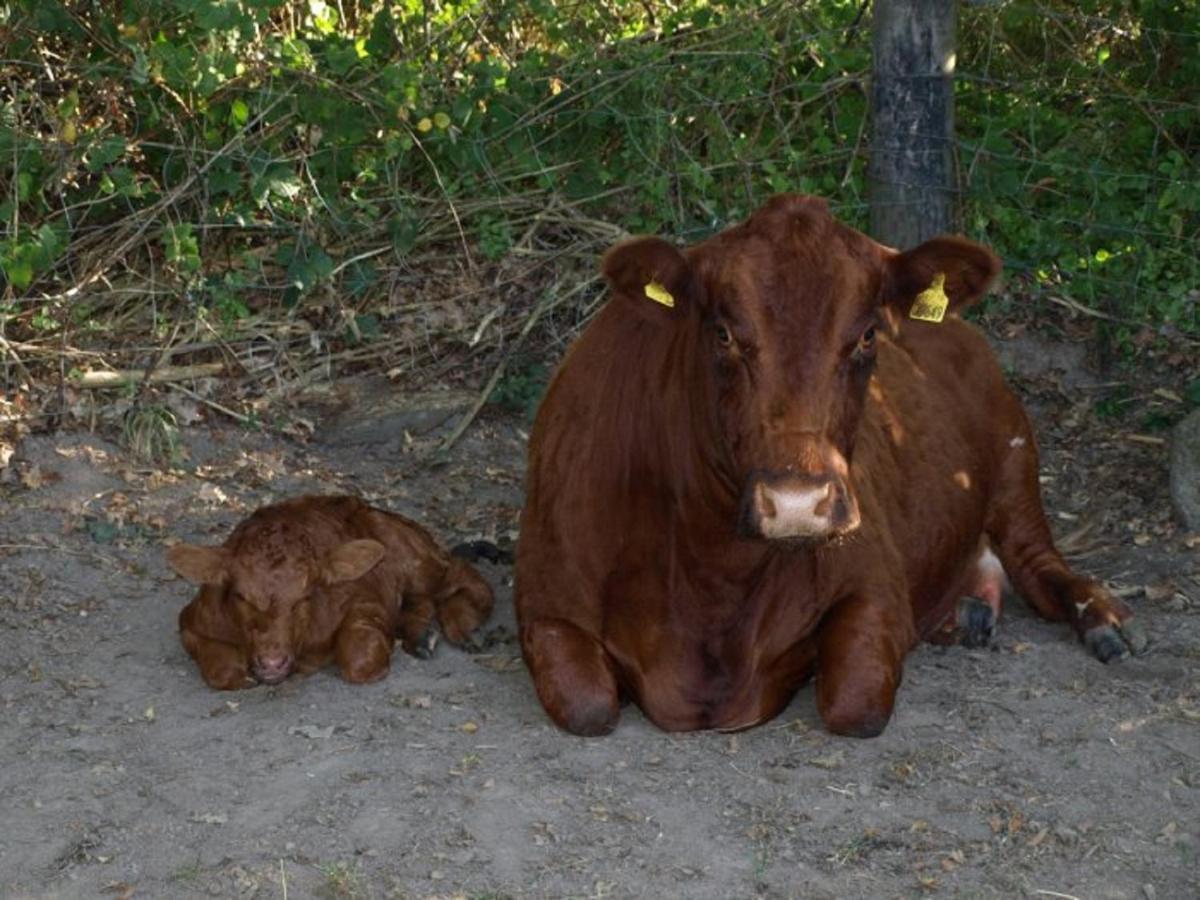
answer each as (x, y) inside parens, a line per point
(1026, 769)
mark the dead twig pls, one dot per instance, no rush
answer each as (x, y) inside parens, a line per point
(549, 300)
(212, 404)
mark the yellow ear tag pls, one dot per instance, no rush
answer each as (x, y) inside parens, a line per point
(659, 294)
(931, 303)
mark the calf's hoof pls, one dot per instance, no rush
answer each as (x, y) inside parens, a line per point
(1115, 640)
(976, 622)
(425, 645)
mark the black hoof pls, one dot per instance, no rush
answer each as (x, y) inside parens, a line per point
(976, 622)
(474, 551)
(471, 645)
(425, 645)
(1110, 643)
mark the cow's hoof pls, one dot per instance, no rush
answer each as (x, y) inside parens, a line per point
(976, 622)
(862, 726)
(1112, 642)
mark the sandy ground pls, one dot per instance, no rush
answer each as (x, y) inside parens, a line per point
(1024, 770)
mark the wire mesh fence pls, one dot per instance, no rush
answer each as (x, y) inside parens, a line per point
(291, 190)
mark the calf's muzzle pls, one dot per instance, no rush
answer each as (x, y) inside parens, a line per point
(272, 669)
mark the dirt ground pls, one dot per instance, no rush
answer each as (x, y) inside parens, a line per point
(1024, 770)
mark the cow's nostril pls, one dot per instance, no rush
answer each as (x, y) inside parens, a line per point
(825, 506)
(763, 503)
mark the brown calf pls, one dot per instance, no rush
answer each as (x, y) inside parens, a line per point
(758, 464)
(315, 579)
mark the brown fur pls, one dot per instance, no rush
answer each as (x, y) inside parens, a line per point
(639, 575)
(316, 580)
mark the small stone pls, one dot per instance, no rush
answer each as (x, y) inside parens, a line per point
(1149, 892)
(1178, 603)
(833, 760)
(1066, 834)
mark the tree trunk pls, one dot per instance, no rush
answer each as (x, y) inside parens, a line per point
(912, 107)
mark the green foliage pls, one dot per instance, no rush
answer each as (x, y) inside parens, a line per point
(1191, 396)
(151, 433)
(521, 390)
(269, 143)
(1080, 126)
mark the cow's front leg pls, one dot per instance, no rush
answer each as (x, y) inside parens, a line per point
(573, 674)
(861, 644)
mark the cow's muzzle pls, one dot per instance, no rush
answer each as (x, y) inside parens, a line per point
(783, 507)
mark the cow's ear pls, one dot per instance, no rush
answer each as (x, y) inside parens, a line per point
(650, 275)
(351, 560)
(946, 274)
(200, 565)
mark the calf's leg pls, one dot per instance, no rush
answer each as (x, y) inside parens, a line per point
(860, 652)
(363, 648)
(417, 634)
(465, 603)
(573, 675)
(224, 667)
(1021, 538)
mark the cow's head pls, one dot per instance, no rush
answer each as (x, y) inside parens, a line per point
(782, 316)
(269, 577)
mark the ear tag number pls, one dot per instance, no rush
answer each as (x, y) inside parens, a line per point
(931, 303)
(659, 294)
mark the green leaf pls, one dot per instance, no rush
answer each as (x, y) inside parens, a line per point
(102, 532)
(239, 113)
(181, 247)
(17, 264)
(108, 151)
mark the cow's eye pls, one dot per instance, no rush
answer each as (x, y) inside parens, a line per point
(724, 336)
(866, 343)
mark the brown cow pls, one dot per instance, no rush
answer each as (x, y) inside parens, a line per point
(755, 466)
(317, 579)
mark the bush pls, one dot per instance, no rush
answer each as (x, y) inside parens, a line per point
(222, 160)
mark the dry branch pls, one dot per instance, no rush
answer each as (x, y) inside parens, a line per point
(167, 374)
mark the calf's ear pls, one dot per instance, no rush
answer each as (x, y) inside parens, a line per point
(945, 274)
(351, 560)
(650, 275)
(200, 565)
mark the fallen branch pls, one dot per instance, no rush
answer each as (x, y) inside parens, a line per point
(121, 378)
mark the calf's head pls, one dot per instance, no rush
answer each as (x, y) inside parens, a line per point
(779, 319)
(269, 574)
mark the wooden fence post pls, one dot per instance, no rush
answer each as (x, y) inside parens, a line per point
(911, 170)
